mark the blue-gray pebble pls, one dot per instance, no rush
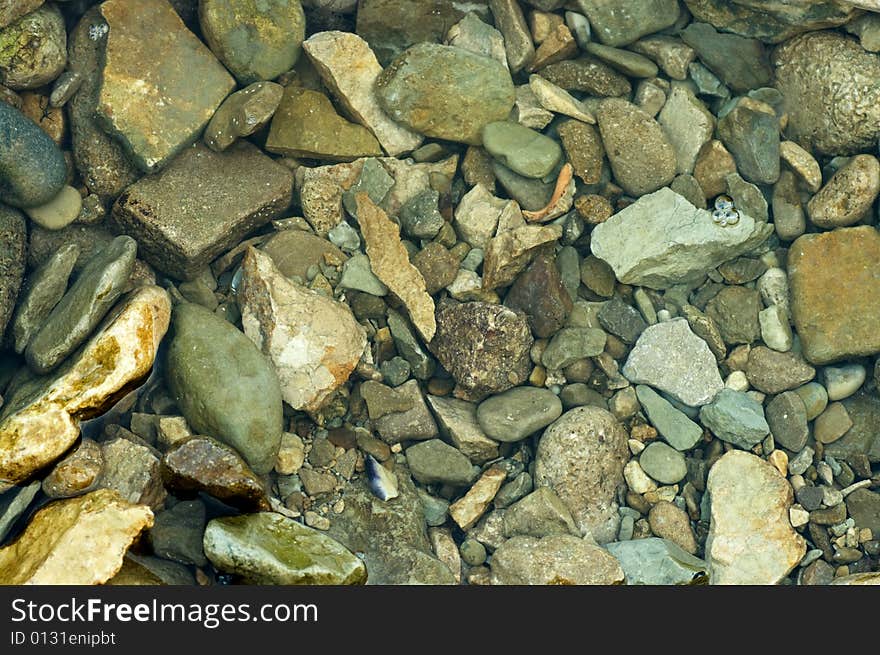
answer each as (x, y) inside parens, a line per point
(32, 168)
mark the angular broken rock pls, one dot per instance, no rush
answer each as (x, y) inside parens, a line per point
(39, 421)
(559, 559)
(662, 240)
(389, 261)
(509, 253)
(314, 342)
(132, 470)
(750, 540)
(458, 423)
(78, 541)
(468, 509)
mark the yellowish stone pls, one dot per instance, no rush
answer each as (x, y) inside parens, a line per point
(468, 509)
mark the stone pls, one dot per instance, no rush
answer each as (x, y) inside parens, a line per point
(861, 441)
(177, 533)
(457, 420)
(554, 559)
(688, 124)
(33, 49)
(532, 195)
(515, 414)
(863, 507)
(848, 195)
(82, 308)
(267, 548)
(671, 55)
(13, 256)
(242, 113)
(614, 25)
(572, 344)
(349, 69)
(408, 346)
(14, 503)
(49, 551)
(190, 213)
(802, 163)
(420, 217)
(254, 40)
(59, 212)
(583, 149)
(522, 150)
(636, 479)
(663, 463)
(843, 381)
(11, 10)
(171, 430)
(477, 216)
(205, 353)
(433, 461)
(735, 311)
(39, 420)
(539, 514)
(306, 125)
(674, 426)
(714, 163)
(832, 424)
(705, 328)
(827, 334)
(558, 100)
(597, 276)
(358, 276)
(539, 292)
(152, 57)
(788, 211)
(132, 470)
(671, 358)
(655, 561)
(390, 262)
(32, 168)
(750, 131)
(734, 417)
(672, 523)
(830, 87)
(468, 509)
(313, 342)
(558, 45)
(750, 538)
(510, 252)
(587, 75)
(677, 243)
(775, 330)
(625, 61)
(640, 154)
(77, 473)
(484, 347)
(416, 423)
(580, 457)
(739, 62)
(437, 265)
(445, 92)
(472, 34)
(787, 417)
(814, 397)
(621, 320)
(295, 251)
(518, 44)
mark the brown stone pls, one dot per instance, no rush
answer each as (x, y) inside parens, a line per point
(773, 372)
(76, 473)
(295, 251)
(584, 149)
(540, 294)
(508, 253)
(437, 265)
(714, 164)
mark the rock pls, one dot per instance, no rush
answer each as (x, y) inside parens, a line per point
(775, 330)
(206, 356)
(477, 215)
(848, 195)
(472, 34)
(515, 414)
(522, 150)
(243, 113)
(517, 41)
(540, 294)
(814, 397)
(554, 559)
(677, 243)
(411, 424)
(802, 163)
(830, 87)
(468, 509)
(671, 358)
(11, 10)
(618, 26)
(655, 561)
(152, 57)
(484, 347)
(445, 92)
(177, 533)
(735, 312)
(539, 514)
(832, 424)
(673, 425)
(638, 149)
(750, 538)
(751, 133)
(32, 168)
(714, 163)
(583, 149)
(688, 124)
(621, 320)
(349, 69)
(670, 53)
(572, 344)
(39, 419)
(313, 342)
(557, 100)
(14, 503)
(587, 75)
(510, 252)
(862, 439)
(254, 40)
(705, 328)
(201, 205)
(306, 125)
(739, 62)
(433, 462)
(787, 417)
(268, 548)
(458, 423)
(828, 334)
(409, 347)
(82, 308)
(390, 262)
(581, 457)
(33, 49)
(663, 463)
(669, 522)
(13, 255)
(59, 212)
(76, 473)
(49, 550)
(843, 381)
(420, 217)
(774, 372)
(863, 507)
(295, 251)
(132, 470)
(736, 418)
(857, 579)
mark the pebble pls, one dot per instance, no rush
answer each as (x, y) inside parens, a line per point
(814, 397)
(670, 522)
(472, 34)
(554, 559)
(798, 464)
(539, 514)
(528, 110)
(587, 75)
(59, 212)
(735, 311)
(688, 124)
(843, 381)
(555, 99)
(517, 41)
(515, 414)
(750, 131)
(132, 470)
(468, 509)
(832, 424)
(636, 479)
(572, 344)
(671, 54)
(655, 561)
(788, 212)
(802, 163)
(77, 473)
(14, 503)
(522, 150)
(434, 461)
(775, 329)
(848, 195)
(673, 425)
(663, 463)
(739, 62)
(787, 417)
(773, 372)
(458, 422)
(33, 49)
(540, 293)
(614, 26)
(627, 62)
(242, 113)
(736, 418)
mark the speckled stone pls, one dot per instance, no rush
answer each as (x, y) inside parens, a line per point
(13, 256)
(33, 49)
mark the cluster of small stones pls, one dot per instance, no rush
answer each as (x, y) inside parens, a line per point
(537, 293)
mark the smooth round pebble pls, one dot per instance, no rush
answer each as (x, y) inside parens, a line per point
(815, 398)
(59, 212)
(472, 552)
(515, 414)
(843, 381)
(663, 463)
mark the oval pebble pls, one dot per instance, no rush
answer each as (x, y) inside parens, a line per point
(515, 414)
(843, 381)
(815, 398)
(59, 212)
(32, 168)
(663, 463)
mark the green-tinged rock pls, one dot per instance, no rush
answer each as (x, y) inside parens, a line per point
(420, 216)
(750, 131)
(663, 463)
(655, 561)
(255, 39)
(445, 92)
(151, 60)
(617, 24)
(518, 45)
(522, 150)
(358, 276)
(588, 75)
(736, 418)
(539, 514)
(735, 311)
(268, 548)
(409, 346)
(242, 113)
(100, 283)
(688, 124)
(32, 168)
(517, 413)
(571, 344)
(555, 559)
(11, 10)
(306, 125)
(740, 63)
(531, 194)
(434, 461)
(224, 385)
(33, 49)
(628, 63)
(13, 255)
(673, 425)
(177, 533)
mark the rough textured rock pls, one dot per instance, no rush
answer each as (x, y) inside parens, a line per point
(750, 130)
(581, 457)
(413, 423)
(618, 25)
(750, 540)
(734, 417)
(39, 421)
(540, 293)
(313, 342)
(662, 240)
(242, 113)
(849, 194)
(13, 250)
(655, 561)
(76, 473)
(50, 549)
(739, 62)
(132, 470)
(508, 254)
(554, 559)
(458, 423)
(33, 49)
(688, 124)
(774, 372)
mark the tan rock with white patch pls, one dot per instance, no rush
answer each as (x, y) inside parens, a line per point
(314, 342)
(40, 419)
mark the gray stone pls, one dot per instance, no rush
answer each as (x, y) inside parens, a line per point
(619, 25)
(735, 312)
(747, 198)
(740, 63)
(414, 423)
(420, 216)
(736, 418)
(132, 470)
(663, 463)
(522, 150)
(670, 53)
(472, 34)
(13, 503)
(787, 417)
(571, 344)
(688, 124)
(458, 423)
(863, 507)
(434, 462)
(177, 533)
(555, 559)
(788, 212)
(627, 62)
(13, 257)
(517, 40)
(750, 131)
(515, 414)
(539, 514)
(673, 425)
(815, 398)
(774, 372)
(358, 276)
(244, 112)
(531, 194)
(513, 490)
(674, 241)
(622, 320)
(409, 347)
(843, 381)
(655, 561)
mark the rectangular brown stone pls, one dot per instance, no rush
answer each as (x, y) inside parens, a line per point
(201, 205)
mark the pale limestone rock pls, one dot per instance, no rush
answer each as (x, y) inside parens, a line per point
(468, 509)
(509, 253)
(555, 559)
(458, 423)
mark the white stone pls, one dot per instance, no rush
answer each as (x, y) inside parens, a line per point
(457, 420)
(636, 479)
(773, 287)
(527, 111)
(477, 215)
(688, 124)
(843, 381)
(59, 212)
(775, 329)
(559, 101)
(737, 381)
(798, 516)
